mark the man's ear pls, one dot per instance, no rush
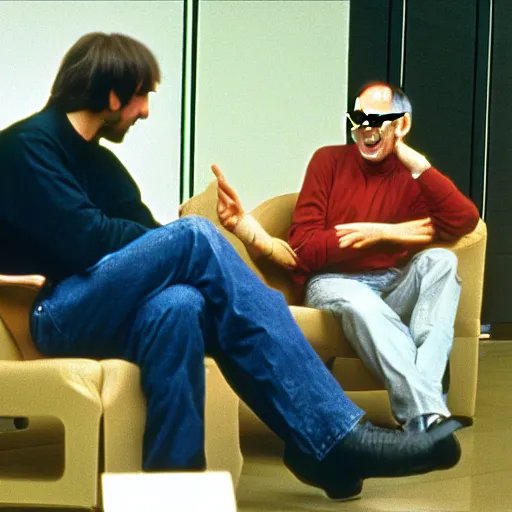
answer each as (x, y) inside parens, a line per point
(404, 126)
(113, 102)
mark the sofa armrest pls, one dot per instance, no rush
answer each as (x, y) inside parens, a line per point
(124, 416)
(323, 331)
(470, 251)
(62, 400)
(50, 387)
(222, 436)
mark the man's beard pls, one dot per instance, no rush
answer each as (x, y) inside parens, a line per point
(111, 130)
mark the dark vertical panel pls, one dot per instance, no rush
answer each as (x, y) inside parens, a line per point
(395, 43)
(375, 43)
(193, 90)
(183, 101)
(446, 65)
(498, 287)
(480, 110)
(368, 45)
(440, 47)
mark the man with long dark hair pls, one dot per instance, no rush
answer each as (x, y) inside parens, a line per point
(122, 285)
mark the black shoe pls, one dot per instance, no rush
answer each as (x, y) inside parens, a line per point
(337, 485)
(368, 451)
(380, 453)
(442, 434)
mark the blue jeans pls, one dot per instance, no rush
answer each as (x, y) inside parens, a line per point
(170, 297)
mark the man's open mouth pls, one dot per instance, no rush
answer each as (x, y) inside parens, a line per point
(372, 139)
(370, 144)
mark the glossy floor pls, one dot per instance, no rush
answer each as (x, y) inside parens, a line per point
(482, 481)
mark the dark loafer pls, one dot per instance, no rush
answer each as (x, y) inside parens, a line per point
(368, 451)
(336, 485)
(375, 452)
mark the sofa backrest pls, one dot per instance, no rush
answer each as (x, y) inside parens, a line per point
(204, 205)
(17, 296)
(9, 350)
(275, 215)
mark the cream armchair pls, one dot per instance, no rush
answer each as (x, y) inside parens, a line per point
(327, 337)
(69, 420)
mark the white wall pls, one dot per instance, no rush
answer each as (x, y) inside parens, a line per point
(272, 86)
(34, 36)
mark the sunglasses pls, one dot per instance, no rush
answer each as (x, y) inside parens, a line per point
(358, 118)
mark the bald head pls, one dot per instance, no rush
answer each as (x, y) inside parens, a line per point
(377, 99)
(382, 98)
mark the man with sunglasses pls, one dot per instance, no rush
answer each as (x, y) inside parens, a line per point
(364, 215)
(360, 226)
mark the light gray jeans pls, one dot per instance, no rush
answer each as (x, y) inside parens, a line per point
(400, 322)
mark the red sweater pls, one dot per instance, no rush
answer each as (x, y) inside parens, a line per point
(340, 187)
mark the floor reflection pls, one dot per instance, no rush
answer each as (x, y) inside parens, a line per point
(482, 481)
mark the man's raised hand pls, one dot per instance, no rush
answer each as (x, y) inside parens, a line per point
(413, 160)
(232, 216)
(229, 207)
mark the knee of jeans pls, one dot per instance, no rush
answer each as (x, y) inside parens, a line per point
(186, 299)
(441, 257)
(181, 301)
(363, 304)
(326, 293)
(198, 224)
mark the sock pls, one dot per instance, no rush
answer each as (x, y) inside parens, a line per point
(415, 425)
(430, 419)
(421, 423)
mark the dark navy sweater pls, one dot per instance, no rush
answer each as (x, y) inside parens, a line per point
(64, 202)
